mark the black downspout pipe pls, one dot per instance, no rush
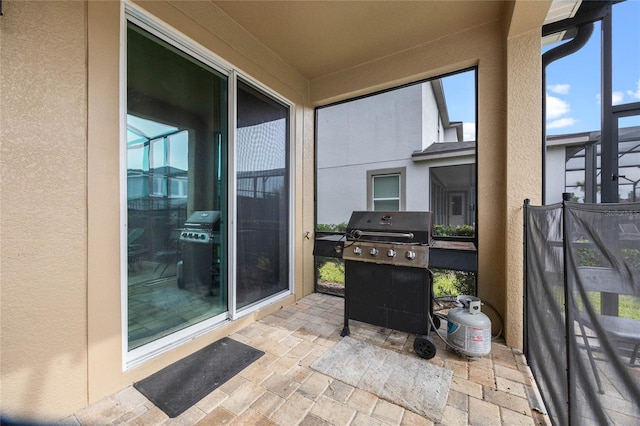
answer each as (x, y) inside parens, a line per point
(568, 312)
(581, 38)
(525, 231)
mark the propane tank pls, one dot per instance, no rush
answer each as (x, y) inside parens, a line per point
(468, 329)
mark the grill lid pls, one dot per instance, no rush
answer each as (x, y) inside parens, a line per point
(414, 227)
(203, 219)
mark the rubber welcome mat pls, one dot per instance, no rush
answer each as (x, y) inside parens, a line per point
(180, 385)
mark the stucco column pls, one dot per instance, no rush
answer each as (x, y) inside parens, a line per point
(43, 209)
(523, 165)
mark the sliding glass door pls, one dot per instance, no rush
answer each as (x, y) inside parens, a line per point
(262, 181)
(176, 189)
(199, 253)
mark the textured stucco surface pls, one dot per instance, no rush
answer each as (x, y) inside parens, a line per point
(236, 47)
(524, 164)
(43, 213)
(482, 47)
(60, 212)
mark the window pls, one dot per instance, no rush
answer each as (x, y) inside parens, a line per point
(386, 192)
(385, 189)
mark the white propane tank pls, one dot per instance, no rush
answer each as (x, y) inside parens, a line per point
(468, 329)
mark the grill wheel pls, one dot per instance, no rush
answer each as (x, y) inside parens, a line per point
(424, 346)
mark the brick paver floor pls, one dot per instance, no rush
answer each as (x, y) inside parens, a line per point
(281, 389)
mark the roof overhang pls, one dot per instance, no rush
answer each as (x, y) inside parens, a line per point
(321, 38)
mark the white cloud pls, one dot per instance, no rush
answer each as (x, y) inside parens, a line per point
(617, 98)
(635, 94)
(469, 131)
(561, 89)
(560, 123)
(556, 107)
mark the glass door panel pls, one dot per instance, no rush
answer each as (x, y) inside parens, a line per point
(262, 181)
(176, 189)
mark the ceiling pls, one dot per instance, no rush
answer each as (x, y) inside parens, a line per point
(319, 38)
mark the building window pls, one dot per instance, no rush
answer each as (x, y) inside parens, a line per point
(386, 189)
(386, 192)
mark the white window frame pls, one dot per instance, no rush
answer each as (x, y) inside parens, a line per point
(401, 172)
(131, 12)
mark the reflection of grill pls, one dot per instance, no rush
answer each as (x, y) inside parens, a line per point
(199, 239)
(387, 282)
(202, 227)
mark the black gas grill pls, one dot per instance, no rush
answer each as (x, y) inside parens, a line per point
(387, 280)
(202, 227)
(199, 266)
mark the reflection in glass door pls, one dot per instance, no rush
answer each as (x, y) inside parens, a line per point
(176, 190)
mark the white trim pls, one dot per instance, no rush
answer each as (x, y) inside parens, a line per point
(173, 36)
(124, 255)
(450, 154)
(232, 198)
(157, 347)
(132, 13)
(571, 140)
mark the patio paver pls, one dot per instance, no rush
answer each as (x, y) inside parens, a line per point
(281, 389)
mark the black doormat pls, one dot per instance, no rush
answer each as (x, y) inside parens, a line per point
(180, 385)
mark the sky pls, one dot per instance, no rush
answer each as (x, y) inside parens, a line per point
(460, 95)
(573, 82)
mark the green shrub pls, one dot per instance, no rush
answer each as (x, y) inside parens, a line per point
(332, 227)
(454, 231)
(331, 271)
(453, 283)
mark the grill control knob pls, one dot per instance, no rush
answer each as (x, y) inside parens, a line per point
(410, 255)
(373, 251)
(357, 251)
(391, 253)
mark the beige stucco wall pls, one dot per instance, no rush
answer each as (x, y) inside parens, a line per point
(60, 85)
(235, 46)
(523, 165)
(482, 47)
(61, 294)
(43, 217)
(507, 56)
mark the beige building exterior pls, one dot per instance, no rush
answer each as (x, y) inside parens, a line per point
(61, 109)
